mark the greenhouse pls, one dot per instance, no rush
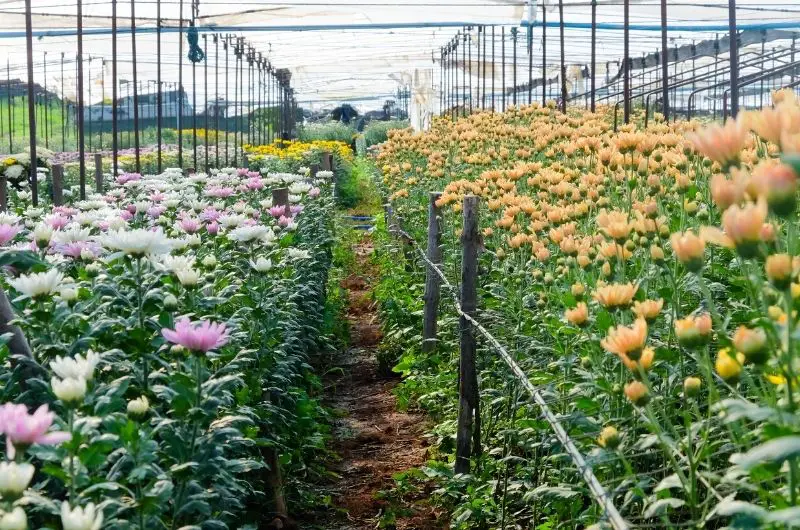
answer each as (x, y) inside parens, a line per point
(399, 264)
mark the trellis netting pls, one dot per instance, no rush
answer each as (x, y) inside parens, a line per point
(361, 52)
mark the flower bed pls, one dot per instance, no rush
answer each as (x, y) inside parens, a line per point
(647, 282)
(169, 324)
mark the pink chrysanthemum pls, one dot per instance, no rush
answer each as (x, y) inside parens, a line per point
(199, 336)
(22, 429)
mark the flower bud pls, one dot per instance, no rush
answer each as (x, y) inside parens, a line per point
(657, 254)
(14, 479)
(69, 390)
(636, 392)
(778, 184)
(689, 249)
(779, 270)
(138, 407)
(609, 438)
(693, 331)
(210, 261)
(578, 291)
(68, 294)
(170, 302)
(752, 343)
(14, 520)
(691, 386)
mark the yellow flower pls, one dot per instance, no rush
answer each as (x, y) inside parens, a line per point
(729, 368)
(609, 438)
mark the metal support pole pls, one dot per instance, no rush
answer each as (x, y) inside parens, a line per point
(216, 98)
(593, 106)
(114, 102)
(135, 89)
(626, 62)
(514, 68)
(81, 143)
(503, 58)
(544, 55)
(530, 64)
(159, 103)
(205, 96)
(734, 57)
(563, 63)
(31, 102)
(179, 117)
(664, 69)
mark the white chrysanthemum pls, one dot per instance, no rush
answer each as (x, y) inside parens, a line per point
(172, 203)
(246, 234)
(175, 263)
(14, 478)
(88, 518)
(9, 218)
(72, 234)
(14, 172)
(296, 253)
(294, 199)
(239, 207)
(266, 203)
(262, 264)
(38, 283)
(188, 277)
(34, 213)
(231, 220)
(298, 188)
(76, 367)
(325, 174)
(69, 390)
(138, 242)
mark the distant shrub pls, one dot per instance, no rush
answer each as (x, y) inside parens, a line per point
(331, 130)
(376, 132)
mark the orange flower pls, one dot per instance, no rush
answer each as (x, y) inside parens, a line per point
(721, 143)
(743, 225)
(778, 184)
(779, 269)
(577, 316)
(725, 192)
(645, 362)
(627, 341)
(689, 249)
(694, 330)
(636, 392)
(649, 309)
(616, 295)
(752, 343)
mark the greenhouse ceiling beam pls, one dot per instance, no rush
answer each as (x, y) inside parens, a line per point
(786, 24)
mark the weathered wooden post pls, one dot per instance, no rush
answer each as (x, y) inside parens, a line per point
(432, 280)
(468, 432)
(98, 173)
(280, 197)
(313, 169)
(57, 176)
(3, 194)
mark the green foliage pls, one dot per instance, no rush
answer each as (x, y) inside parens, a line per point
(377, 132)
(330, 130)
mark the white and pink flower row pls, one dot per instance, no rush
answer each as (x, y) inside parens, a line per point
(161, 222)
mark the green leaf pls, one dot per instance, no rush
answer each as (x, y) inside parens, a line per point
(661, 506)
(776, 450)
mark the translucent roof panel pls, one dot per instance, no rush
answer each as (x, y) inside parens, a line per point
(363, 51)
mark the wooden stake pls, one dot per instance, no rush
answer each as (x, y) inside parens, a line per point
(98, 172)
(432, 280)
(280, 197)
(3, 194)
(468, 432)
(58, 184)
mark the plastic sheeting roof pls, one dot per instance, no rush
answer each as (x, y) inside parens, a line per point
(359, 51)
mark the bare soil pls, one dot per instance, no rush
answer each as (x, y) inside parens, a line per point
(374, 440)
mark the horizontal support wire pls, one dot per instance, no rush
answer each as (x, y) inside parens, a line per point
(595, 487)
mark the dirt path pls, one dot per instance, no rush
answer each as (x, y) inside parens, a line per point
(373, 439)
